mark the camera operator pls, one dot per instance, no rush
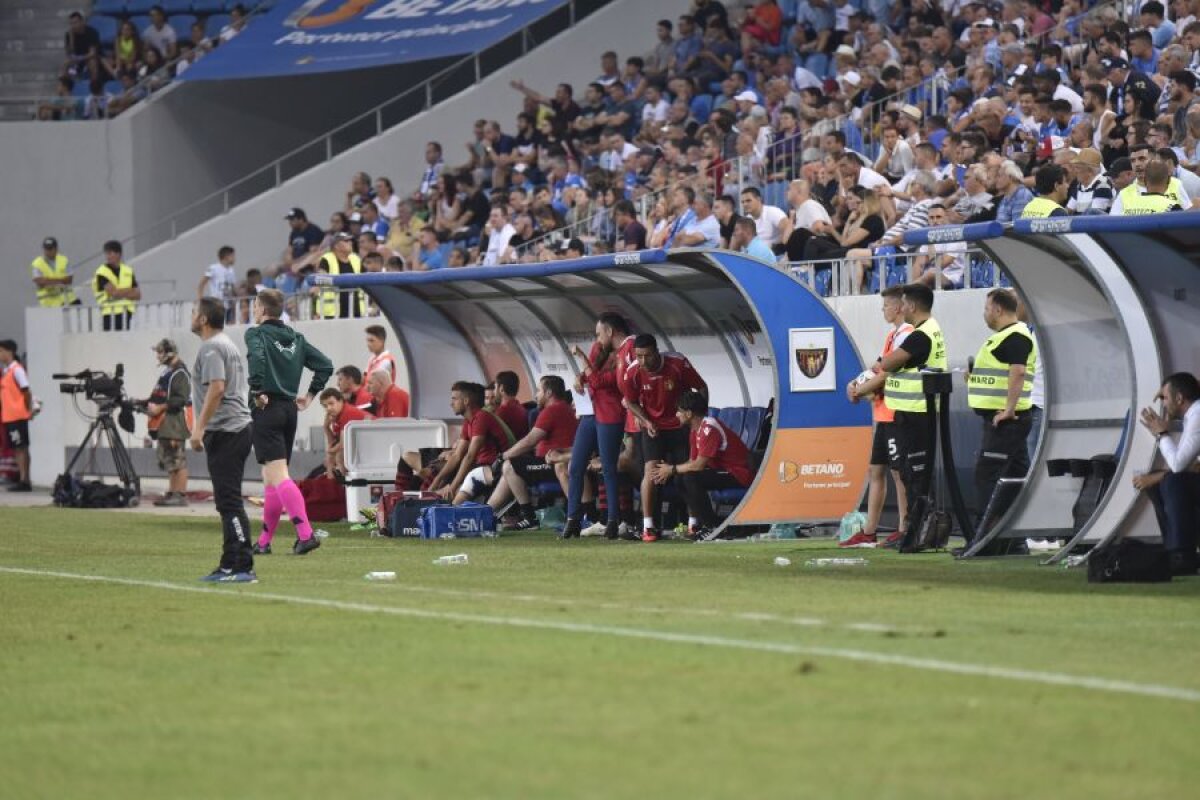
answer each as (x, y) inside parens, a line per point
(170, 410)
(16, 409)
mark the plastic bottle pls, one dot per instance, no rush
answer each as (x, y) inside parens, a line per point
(380, 576)
(459, 558)
(836, 562)
(780, 561)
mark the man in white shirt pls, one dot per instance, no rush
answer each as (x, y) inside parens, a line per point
(853, 173)
(219, 281)
(656, 106)
(1175, 491)
(704, 230)
(940, 265)
(499, 231)
(771, 223)
(159, 34)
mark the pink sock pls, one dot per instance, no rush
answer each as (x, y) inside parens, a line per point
(293, 503)
(272, 510)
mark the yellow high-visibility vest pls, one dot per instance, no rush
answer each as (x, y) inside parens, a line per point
(1143, 204)
(987, 388)
(122, 279)
(1041, 207)
(327, 301)
(902, 391)
(1174, 191)
(59, 294)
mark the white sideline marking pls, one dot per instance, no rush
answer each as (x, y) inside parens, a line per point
(786, 648)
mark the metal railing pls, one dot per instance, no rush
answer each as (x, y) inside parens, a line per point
(972, 268)
(458, 76)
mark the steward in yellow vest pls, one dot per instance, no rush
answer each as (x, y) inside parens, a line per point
(332, 303)
(1052, 186)
(1173, 190)
(1157, 199)
(1000, 391)
(900, 379)
(51, 278)
(116, 289)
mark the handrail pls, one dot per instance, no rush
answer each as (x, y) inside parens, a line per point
(274, 171)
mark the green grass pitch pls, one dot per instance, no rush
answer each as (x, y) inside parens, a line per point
(588, 669)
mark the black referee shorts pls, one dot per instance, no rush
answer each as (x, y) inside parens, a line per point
(669, 447)
(274, 430)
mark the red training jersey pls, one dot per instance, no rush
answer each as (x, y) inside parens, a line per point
(495, 442)
(360, 397)
(895, 338)
(559, 422)
(515, 417)
(658, 392)
(395, 403)
(724, 450)
(602, 385)
(349, 414)
(626, 361)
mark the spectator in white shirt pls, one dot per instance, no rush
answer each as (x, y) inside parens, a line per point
(237, 21)
(704, 230)
(895, 157)
(656, 106)
(159, 34)
(941, 265)
(220, 278)
(853, 173)
(805, 212)
(499, 232)
(772, 223)
(1175, 491)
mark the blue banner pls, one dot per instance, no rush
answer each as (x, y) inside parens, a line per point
(299, 37)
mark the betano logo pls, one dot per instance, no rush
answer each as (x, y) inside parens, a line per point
(790, 470)
(346, 10)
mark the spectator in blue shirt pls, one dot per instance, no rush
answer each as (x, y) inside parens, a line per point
(428, 254)
(1162, 30)
(1143, 55)
(1014, 195)
(372, 223)
(687, 45)
(745, 240)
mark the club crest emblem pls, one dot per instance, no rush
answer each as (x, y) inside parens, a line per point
(811, 360)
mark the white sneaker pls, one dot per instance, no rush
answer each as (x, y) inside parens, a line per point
(593, 530)
(1041, 545)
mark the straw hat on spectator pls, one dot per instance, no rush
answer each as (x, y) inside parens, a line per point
(1089, 157)
(912, 112)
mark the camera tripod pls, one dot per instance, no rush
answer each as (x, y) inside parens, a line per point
(128, 476)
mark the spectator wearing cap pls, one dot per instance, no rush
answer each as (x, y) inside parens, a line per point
(303, 237)
(1091, 191)
(340, 260)
(169, 409)
(51, 278)
(908, 123)
(1120, 174)
(1126, 82)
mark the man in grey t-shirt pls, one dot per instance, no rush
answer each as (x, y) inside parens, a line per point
(222, 431)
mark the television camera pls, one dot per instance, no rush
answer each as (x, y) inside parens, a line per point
(107, 391)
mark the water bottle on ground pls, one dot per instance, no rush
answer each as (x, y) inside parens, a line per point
(459, 558)
(780, 561)
(380, 576)
(836, 562)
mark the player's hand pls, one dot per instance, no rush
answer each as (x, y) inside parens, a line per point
(851, 395)
(261, 400)
(662, 473)
(197, 444)
(1153, 422)
(302, 402)
(446, 492)
(650, 428)
(1144, 482)
(1003, 416)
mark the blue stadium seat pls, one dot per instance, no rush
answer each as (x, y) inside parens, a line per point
(82, 88)
(983, 274)
(1004, 282)
(208, 6)
(182, 23)
(106, 27)
(172, 7)
(140, 23)
(111, 8)
(702, 107)
(824, 280)
(140, 6)
(775, 194)
(752, 427)
(213, 25)
(715, 413)
(113, 88)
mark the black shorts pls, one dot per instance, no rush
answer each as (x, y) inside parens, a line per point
(532, 469)
(274, 430)
(885, 450)
(18, 434)
(669, 447)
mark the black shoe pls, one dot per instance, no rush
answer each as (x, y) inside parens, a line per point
(523, 524)
(572, 530)
(612, 529)
(262, 549)
(630, 534)
(21, 486)
(1182, 564)
(305, 546)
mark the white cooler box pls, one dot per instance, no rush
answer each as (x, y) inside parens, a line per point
(373, 447)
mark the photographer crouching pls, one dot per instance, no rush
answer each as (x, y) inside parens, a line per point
(170, 410)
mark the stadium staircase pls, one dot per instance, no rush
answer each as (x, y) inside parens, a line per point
(31, 52)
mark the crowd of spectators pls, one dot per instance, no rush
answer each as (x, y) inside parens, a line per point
(112, 62)
(833, 126)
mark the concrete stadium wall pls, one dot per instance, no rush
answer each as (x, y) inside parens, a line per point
(257, 228)
(50, 351)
